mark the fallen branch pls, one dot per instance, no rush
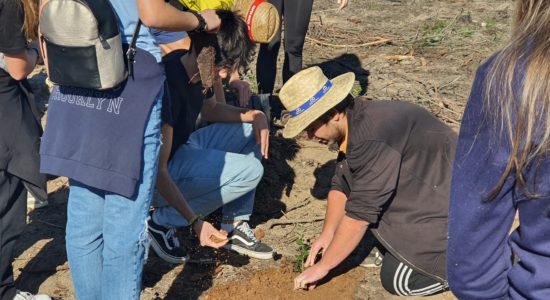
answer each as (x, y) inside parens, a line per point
(303, 203)
(272, 223)
(374, 43)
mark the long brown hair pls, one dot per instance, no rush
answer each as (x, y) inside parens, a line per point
(519, 105)
(30, 25)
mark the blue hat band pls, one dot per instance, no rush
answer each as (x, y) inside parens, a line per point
(318, 96)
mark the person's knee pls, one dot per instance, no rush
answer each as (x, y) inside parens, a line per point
(254, 171)
(294, 46)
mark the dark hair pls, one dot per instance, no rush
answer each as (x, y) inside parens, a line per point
(233, 46)
(341, 107)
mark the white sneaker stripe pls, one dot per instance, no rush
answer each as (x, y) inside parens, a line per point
(242, 240)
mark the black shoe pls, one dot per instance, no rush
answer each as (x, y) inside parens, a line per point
(165, 243)
(242, 240)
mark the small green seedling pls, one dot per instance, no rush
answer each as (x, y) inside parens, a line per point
(303, 252)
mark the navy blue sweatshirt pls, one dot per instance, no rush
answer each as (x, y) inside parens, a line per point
(480, 264)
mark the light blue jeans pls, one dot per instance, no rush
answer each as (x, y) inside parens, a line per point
(106, 235)
(218, 166)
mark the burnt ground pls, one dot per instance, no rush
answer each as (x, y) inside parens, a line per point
(421, 51)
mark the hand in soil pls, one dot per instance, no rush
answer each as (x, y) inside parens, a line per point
(317, 248)
(209, 235)
(309, 278)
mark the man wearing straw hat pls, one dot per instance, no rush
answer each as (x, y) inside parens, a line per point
(392, 178)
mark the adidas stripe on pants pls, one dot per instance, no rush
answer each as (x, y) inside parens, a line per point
(400, 279)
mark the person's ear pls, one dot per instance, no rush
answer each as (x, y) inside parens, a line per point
(336, 117)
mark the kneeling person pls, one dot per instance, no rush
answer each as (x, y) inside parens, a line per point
(392, 177)
(215, 166)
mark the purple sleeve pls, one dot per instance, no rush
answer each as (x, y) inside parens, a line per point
(478, 256)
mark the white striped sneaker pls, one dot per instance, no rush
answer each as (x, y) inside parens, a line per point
(242, 240)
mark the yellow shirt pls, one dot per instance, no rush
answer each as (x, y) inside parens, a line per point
(200, 5)
(344, 144)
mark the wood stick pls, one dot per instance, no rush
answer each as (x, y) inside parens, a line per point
(379, 42)
(271, 223)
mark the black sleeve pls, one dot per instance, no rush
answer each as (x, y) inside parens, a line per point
(375, 171)
(12, 38)
(340, 180)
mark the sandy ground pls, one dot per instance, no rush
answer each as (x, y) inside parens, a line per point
(419, 51)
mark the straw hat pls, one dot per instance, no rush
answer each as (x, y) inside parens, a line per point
(261, 17)
(309, 94)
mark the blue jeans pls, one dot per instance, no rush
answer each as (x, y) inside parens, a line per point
(106, 233)
(218, 166)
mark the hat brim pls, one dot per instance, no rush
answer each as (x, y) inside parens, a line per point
(341, 87)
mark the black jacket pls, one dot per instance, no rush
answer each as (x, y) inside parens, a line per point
(396, 173)
(20, 134)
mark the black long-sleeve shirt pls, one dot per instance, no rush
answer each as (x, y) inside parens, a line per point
(396, 173)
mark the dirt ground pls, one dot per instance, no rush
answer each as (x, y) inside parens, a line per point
(421, 51)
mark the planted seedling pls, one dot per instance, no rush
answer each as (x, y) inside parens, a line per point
(303, 252)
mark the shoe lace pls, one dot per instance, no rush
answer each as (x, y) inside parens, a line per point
(245, 228)
(171, 236)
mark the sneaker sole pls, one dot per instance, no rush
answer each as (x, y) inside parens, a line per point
(370, 265)
(250, 253)
(165, 256)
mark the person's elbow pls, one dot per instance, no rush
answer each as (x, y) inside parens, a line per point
(148, 13)
(150, 20)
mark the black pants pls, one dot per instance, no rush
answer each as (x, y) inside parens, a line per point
(296, 18)
(13, 204)
(400, 279)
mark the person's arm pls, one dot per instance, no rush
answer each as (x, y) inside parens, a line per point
(214, 111)
(170, 191)
(336, 204)
(20, 65)
(376, 168)
(161, 15)
(478, 254)
(217, 86)
(242, 87)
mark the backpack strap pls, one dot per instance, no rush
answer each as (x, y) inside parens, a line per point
(131, 53)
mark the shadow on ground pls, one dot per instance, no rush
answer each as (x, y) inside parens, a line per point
(46, 225)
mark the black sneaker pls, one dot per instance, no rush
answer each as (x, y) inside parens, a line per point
(242, 240)
(165, 243)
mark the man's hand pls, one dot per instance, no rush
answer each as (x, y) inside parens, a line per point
(209, 235)
(341, 5)
(261, 131)
(317, 247)
(243, 91)
(212, 19)
(308, 279)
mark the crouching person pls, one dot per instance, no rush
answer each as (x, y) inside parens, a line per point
(392, 178)
(216, 166)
